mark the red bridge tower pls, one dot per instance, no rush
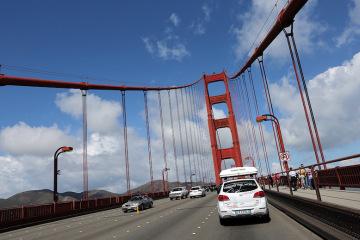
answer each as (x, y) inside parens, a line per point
(220, 154)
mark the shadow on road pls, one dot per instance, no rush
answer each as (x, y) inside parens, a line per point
(246, 221)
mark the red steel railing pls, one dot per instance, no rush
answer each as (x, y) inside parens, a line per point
(28, 214)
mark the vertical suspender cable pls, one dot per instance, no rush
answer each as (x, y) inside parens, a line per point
(186, 136)
(269, 103)
(163, 141)
(173, 138)
(188, 105)
(180, 134)
(248, 135)
(85, 163)
(148, 142)
(201, 133)
(263, 143)
(252, 125)
(307, 97)
(126, 152)
(192, 104)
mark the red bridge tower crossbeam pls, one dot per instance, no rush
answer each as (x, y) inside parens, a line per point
(220, 154)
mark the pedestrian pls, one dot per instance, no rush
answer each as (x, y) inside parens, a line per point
(293, 179)
(271, 181)
(302, 174)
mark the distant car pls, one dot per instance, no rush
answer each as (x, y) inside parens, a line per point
(178, 193)
(242, 198)
(140, 202)
(197, 191)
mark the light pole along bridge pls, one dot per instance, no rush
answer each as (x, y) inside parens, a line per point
(190, 219)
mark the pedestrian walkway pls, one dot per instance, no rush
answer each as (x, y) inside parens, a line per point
(345, 198)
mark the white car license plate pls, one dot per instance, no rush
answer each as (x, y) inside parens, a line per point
(242, 212)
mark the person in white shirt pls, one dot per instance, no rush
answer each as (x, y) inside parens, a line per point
(293, 179)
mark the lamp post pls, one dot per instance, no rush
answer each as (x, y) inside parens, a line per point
(270, 117)
(162, 172)
(191, 181)
(56, 171)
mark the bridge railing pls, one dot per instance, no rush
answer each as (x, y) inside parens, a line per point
(338, 176)
(30, 214)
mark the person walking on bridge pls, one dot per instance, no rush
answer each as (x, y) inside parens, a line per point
(293, 179)
(302, 175)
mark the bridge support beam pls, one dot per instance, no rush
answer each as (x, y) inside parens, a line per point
(218, 153)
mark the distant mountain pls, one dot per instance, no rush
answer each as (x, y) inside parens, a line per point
(38, 197)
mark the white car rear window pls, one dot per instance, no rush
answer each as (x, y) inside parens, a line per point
(195, 188)
(240, 186)
(177, 189)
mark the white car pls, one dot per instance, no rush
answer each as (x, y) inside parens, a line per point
(178, 193)
(242, 198)
(197, 191)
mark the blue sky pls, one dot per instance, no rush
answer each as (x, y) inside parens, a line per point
(164, 43)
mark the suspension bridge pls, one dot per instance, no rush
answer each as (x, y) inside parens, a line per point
(330, 211)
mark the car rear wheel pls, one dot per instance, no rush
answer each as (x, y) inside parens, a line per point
(171, 199)
(124, 211)
(223, 222)
(266, 218)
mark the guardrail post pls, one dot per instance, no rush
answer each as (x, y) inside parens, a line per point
(316, 183)
(339, 179)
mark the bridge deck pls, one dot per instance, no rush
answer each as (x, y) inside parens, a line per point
(345, 198)
(181, 219)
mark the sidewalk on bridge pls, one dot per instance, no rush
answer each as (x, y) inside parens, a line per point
(345, 198)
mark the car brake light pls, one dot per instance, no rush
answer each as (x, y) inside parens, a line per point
(222, 198)
(259, 194)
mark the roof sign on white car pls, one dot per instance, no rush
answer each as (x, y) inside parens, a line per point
(238, 171)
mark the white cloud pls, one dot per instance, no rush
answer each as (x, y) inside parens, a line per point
(22, 139)
(168, 48)
(198, 26)
(97, 109)
(28, 164)
(352, 31)
(176, 52)
(334, 95)
(175, 19)
(306, 30)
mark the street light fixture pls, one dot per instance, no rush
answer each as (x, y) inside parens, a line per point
(162, 172)
(191, 181)
(56, 171)
(270, 117)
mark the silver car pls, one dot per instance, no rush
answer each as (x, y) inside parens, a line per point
(138, 202)
(178, 193)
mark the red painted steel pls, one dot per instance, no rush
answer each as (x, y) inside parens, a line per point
(34, 82)
(217, 153)
(284, 19)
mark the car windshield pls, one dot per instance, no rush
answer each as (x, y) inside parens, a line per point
(136, 198)
(177, 189)
(240, 186)
(195, 188)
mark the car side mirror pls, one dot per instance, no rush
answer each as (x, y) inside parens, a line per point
(218, 189)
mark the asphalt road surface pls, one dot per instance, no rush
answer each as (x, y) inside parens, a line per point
(168, 220)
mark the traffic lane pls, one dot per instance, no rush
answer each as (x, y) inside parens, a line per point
(145, 226)
(280, 227)
(172, 226)
(76, 224)
(200, 221)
